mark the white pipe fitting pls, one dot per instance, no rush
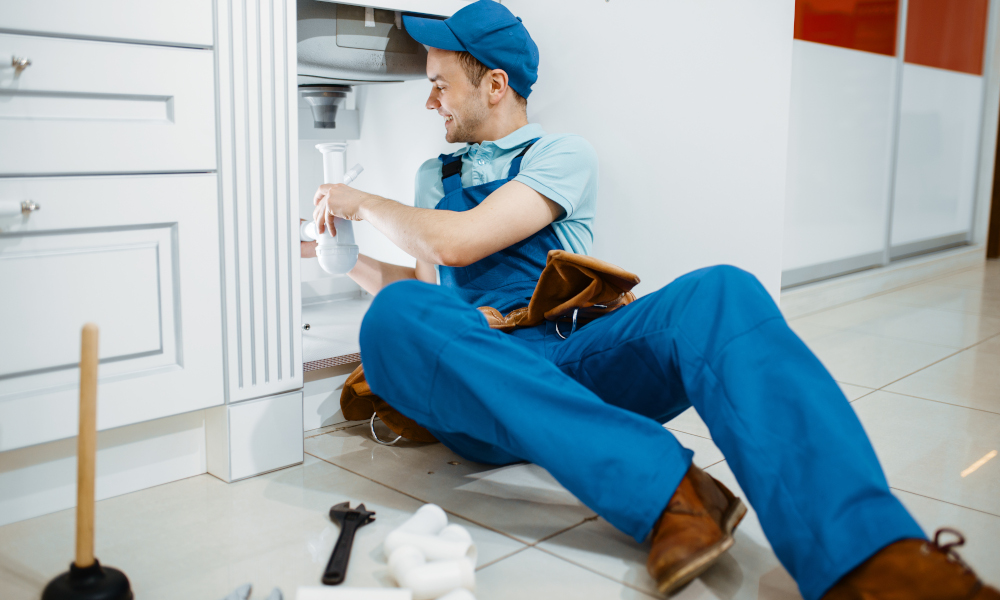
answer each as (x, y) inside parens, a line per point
(430, 580)
(337, 254)
(430, 557)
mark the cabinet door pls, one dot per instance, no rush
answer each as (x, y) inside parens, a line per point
(99, 107)
(139, 256)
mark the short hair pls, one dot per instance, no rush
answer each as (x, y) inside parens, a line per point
(476, 70)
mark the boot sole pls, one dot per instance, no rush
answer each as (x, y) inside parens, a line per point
(675, 581)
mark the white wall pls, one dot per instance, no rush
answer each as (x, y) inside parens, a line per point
(687, 105)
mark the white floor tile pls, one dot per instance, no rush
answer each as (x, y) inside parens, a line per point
(914, 323)
(808, 330)
(986, 277)
(853, 392)
(925, 446)
(944, 297)
(873, 361)
(537, 575)
(706, 453)
(970, 378)
(520, 500)
(689, 422)
(201, 538)
(750, 570)
(982, 531)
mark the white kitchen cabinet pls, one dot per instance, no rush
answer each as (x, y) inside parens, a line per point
(443, 8)
(139, 256)
(100, 107)
(174, 22)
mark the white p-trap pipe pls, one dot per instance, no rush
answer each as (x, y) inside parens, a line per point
(337, 254)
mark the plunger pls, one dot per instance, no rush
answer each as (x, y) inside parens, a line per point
(86, 578)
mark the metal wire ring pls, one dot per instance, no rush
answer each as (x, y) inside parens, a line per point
(571, 329)
(371, 424)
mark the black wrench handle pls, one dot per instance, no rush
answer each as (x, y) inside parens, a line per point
(336, 569)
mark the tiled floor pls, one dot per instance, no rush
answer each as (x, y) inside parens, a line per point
(921, 366)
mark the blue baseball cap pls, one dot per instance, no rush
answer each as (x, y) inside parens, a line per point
(488, 31)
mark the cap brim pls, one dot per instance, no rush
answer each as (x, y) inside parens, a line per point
(432, 32)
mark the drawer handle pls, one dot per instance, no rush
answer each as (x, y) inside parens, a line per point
(11, 208)
(20, 63)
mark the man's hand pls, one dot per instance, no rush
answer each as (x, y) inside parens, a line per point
(337, 199)
(307, 249)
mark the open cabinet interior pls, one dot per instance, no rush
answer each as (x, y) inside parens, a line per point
(374, 118)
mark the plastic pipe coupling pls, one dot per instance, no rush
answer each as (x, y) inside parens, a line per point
(432, 558)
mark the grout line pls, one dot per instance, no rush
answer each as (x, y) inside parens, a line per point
(723, 459)
(418, 499)
(944, 501)
(903, 287)
(865, 395)
(989, 412)
(504, 557)
(956, 353)
(562, 531)
(338, 427)
(704, 437)
(586, 568)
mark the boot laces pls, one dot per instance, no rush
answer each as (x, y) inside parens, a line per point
(949, 548)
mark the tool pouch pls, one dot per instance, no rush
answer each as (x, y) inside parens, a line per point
(572, 287)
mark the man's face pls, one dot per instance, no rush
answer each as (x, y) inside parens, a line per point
(463, 106)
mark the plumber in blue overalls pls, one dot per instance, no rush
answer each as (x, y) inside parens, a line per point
(590, 408)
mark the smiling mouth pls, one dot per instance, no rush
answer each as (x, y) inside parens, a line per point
(448, 119)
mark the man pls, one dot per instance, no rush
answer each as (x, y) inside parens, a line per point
(589, 408)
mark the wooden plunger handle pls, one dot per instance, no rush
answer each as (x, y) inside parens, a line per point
(86, 448)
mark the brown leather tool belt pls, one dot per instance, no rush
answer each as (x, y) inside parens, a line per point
(573, 289)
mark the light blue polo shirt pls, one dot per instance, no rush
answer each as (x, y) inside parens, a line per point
(561, 167)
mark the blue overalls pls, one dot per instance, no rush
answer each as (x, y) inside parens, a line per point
(589, 409)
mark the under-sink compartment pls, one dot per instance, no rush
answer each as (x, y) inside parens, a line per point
(330, 351)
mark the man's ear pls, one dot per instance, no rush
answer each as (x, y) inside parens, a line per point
(498, 85)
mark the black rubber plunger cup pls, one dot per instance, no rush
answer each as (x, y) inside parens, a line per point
(87, 579)
(91, 583)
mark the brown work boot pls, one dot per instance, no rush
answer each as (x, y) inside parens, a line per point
(694, 530)
(913, 570)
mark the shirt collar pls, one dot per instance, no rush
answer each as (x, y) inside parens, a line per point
(514, 139)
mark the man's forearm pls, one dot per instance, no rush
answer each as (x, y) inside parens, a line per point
(422, 233)
(373, 275)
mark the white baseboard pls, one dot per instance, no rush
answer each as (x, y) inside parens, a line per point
(807, 299)
(41, 479)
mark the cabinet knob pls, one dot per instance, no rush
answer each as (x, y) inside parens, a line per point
(20, 63)
(12, 208)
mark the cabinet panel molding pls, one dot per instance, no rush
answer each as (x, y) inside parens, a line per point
(100, 107)
(122, 278)
(174, 22)
(138, 255)
(258, 174)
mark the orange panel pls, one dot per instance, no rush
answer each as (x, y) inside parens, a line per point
(868, 25)
(947, 34)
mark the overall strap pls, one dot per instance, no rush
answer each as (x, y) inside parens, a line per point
(451, 173)
(515, 165)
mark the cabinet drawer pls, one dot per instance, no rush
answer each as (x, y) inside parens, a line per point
(101, 107)
(183, 22)
(139, 256)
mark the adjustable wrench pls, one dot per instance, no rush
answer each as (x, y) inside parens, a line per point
(349, 519)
